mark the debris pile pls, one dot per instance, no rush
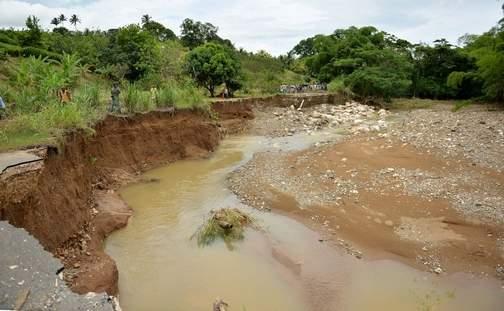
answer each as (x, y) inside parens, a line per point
(227, 224)
(351, 116)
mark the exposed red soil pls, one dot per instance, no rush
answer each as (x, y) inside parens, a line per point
(55, 203)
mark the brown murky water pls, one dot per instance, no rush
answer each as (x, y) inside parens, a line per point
(283, 268)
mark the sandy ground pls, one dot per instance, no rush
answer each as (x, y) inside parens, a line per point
(429, 196)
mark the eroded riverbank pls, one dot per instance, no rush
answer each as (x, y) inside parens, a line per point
(58, 198)
(287, 266)
(57, 202)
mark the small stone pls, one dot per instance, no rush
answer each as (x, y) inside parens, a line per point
(438, 270)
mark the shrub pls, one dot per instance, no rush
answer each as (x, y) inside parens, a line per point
(4, 38)
(181, 96)
(338, 86)
(12, 50)
(37, 52)
(375, 82)
(166, 97)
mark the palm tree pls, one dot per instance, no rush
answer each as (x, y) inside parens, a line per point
(146, 19)
(74, 19)
(55, 21)
(62, 18)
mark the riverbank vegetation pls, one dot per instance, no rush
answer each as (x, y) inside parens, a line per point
(60, 79)
(155, 68)
(374, 65)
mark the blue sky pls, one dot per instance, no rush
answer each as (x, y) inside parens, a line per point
(274, 25)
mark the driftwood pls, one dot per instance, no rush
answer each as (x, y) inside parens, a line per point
(301, 106)
(220, 305)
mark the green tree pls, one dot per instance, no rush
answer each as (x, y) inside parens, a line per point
(158, 30)
(88, 45)
(433, 66)
(62, 19)
(344, 51)
(488, 49)
(212, 64)
(386, 74)
(74, 19)
(372, 63)
(33, 36)
(133, 47)
(194, 34)
(304, 48)
(55, 21)
(146, 19)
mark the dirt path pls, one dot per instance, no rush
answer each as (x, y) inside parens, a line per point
(380, 196)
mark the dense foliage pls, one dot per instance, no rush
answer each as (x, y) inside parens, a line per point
(263, 73)
(148, 53)
(211, 65)
(133, 49)
(195, 33)
(373, 64)
(157, 69)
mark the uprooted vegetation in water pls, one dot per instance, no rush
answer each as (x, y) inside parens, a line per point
(228, 224)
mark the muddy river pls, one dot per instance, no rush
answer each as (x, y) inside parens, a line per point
(282, 267)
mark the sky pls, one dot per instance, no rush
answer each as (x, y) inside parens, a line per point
(273, 25)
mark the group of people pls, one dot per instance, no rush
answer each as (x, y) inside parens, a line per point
(302, 88)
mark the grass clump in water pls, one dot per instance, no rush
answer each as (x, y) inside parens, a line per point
(227, 224)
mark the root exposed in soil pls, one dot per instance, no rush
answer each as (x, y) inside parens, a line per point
(227, 224)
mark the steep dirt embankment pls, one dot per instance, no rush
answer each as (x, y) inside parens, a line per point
(56, 201)
(68, 203)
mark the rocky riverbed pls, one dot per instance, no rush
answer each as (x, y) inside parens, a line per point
(424, 187)
(352, 117)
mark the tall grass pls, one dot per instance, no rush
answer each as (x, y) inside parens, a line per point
(180, 96)
(135, 99)
(48, 124)
(89, 95)
(35, 114)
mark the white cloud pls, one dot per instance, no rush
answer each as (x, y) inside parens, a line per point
(274, 25)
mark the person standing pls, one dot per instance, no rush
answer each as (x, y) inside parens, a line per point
(2, 109)
(225, 94)
(115, 106)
